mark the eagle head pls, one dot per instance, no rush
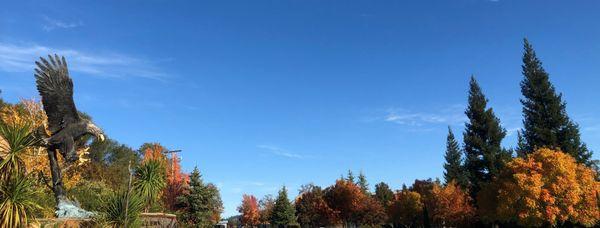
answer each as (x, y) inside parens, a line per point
(94, 130)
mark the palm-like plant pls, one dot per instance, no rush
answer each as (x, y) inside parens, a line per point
(122, 209)
(15, 140)
(16, 201)
(150, 181)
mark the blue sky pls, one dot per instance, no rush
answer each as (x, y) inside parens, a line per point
(260, 94)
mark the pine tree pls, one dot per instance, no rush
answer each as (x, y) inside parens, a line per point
(202, 204)
(521, 145)
(350, 176)
(454, 170)
(546, 123)
(384, 194)
(284, 212)
(482, 137)
(363, 184)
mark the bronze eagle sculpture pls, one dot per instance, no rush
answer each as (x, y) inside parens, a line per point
(65, 125)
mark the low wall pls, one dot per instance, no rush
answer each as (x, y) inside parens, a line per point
(62, 223)
(147, 220)
(158, 220)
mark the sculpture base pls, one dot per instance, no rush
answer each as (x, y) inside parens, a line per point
(71, 209)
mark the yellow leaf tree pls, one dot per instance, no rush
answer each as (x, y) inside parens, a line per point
(31, 112)
(451, 205)
(547, 187)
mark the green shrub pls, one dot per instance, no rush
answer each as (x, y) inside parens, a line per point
(114, 207)
(16, 204)
(44, 197)
(91, 194)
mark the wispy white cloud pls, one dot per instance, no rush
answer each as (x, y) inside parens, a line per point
(451, 115)
(52, 24)
(21, 58)
(279, 151)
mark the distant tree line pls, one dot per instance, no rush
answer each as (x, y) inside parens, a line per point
(548, 179)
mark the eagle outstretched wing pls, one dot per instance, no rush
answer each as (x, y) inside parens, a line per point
(56, 88)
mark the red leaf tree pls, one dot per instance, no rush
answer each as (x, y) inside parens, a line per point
(312, 209)
(176, 181)
(249, 210)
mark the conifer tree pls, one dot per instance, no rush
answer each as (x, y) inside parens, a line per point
(350, 176)
(363, 184)
(545, 119)
(521, 145)
(284, 213)
(482, 137)
(202, 205)
(384, 194)
(454, 169)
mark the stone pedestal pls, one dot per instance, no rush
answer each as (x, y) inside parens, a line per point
(62, 223)
(158, 220)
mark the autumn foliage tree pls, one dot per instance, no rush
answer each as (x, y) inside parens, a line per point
(345, 197)
(154, 151)
(451, 206)
(312, 209)
(250, 215)
(548, 187)
(406, 209)
(31, 113)
(176, 181)
(265, 207)
(371, 212)
(353, 206)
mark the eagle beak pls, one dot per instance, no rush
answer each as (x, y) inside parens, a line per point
(101, 137)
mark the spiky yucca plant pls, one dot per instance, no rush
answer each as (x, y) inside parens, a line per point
(15, 140)
(113, 211)
(16, 201)
(149, 181)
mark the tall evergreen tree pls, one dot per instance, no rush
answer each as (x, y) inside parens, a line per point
(201, 206)
(350, 176)
(482, 137)
(284, 213)
(545, 119)
(454, 170)
(362, 183)
(521, 145)
(384, 194)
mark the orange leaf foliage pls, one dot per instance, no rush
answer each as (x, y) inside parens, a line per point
(176, 180)
(346, 199)
(312, 209)
(548, 187)
(155, 152)
(249, 210)
(31, 113)
(406, 209)
(452, 205)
